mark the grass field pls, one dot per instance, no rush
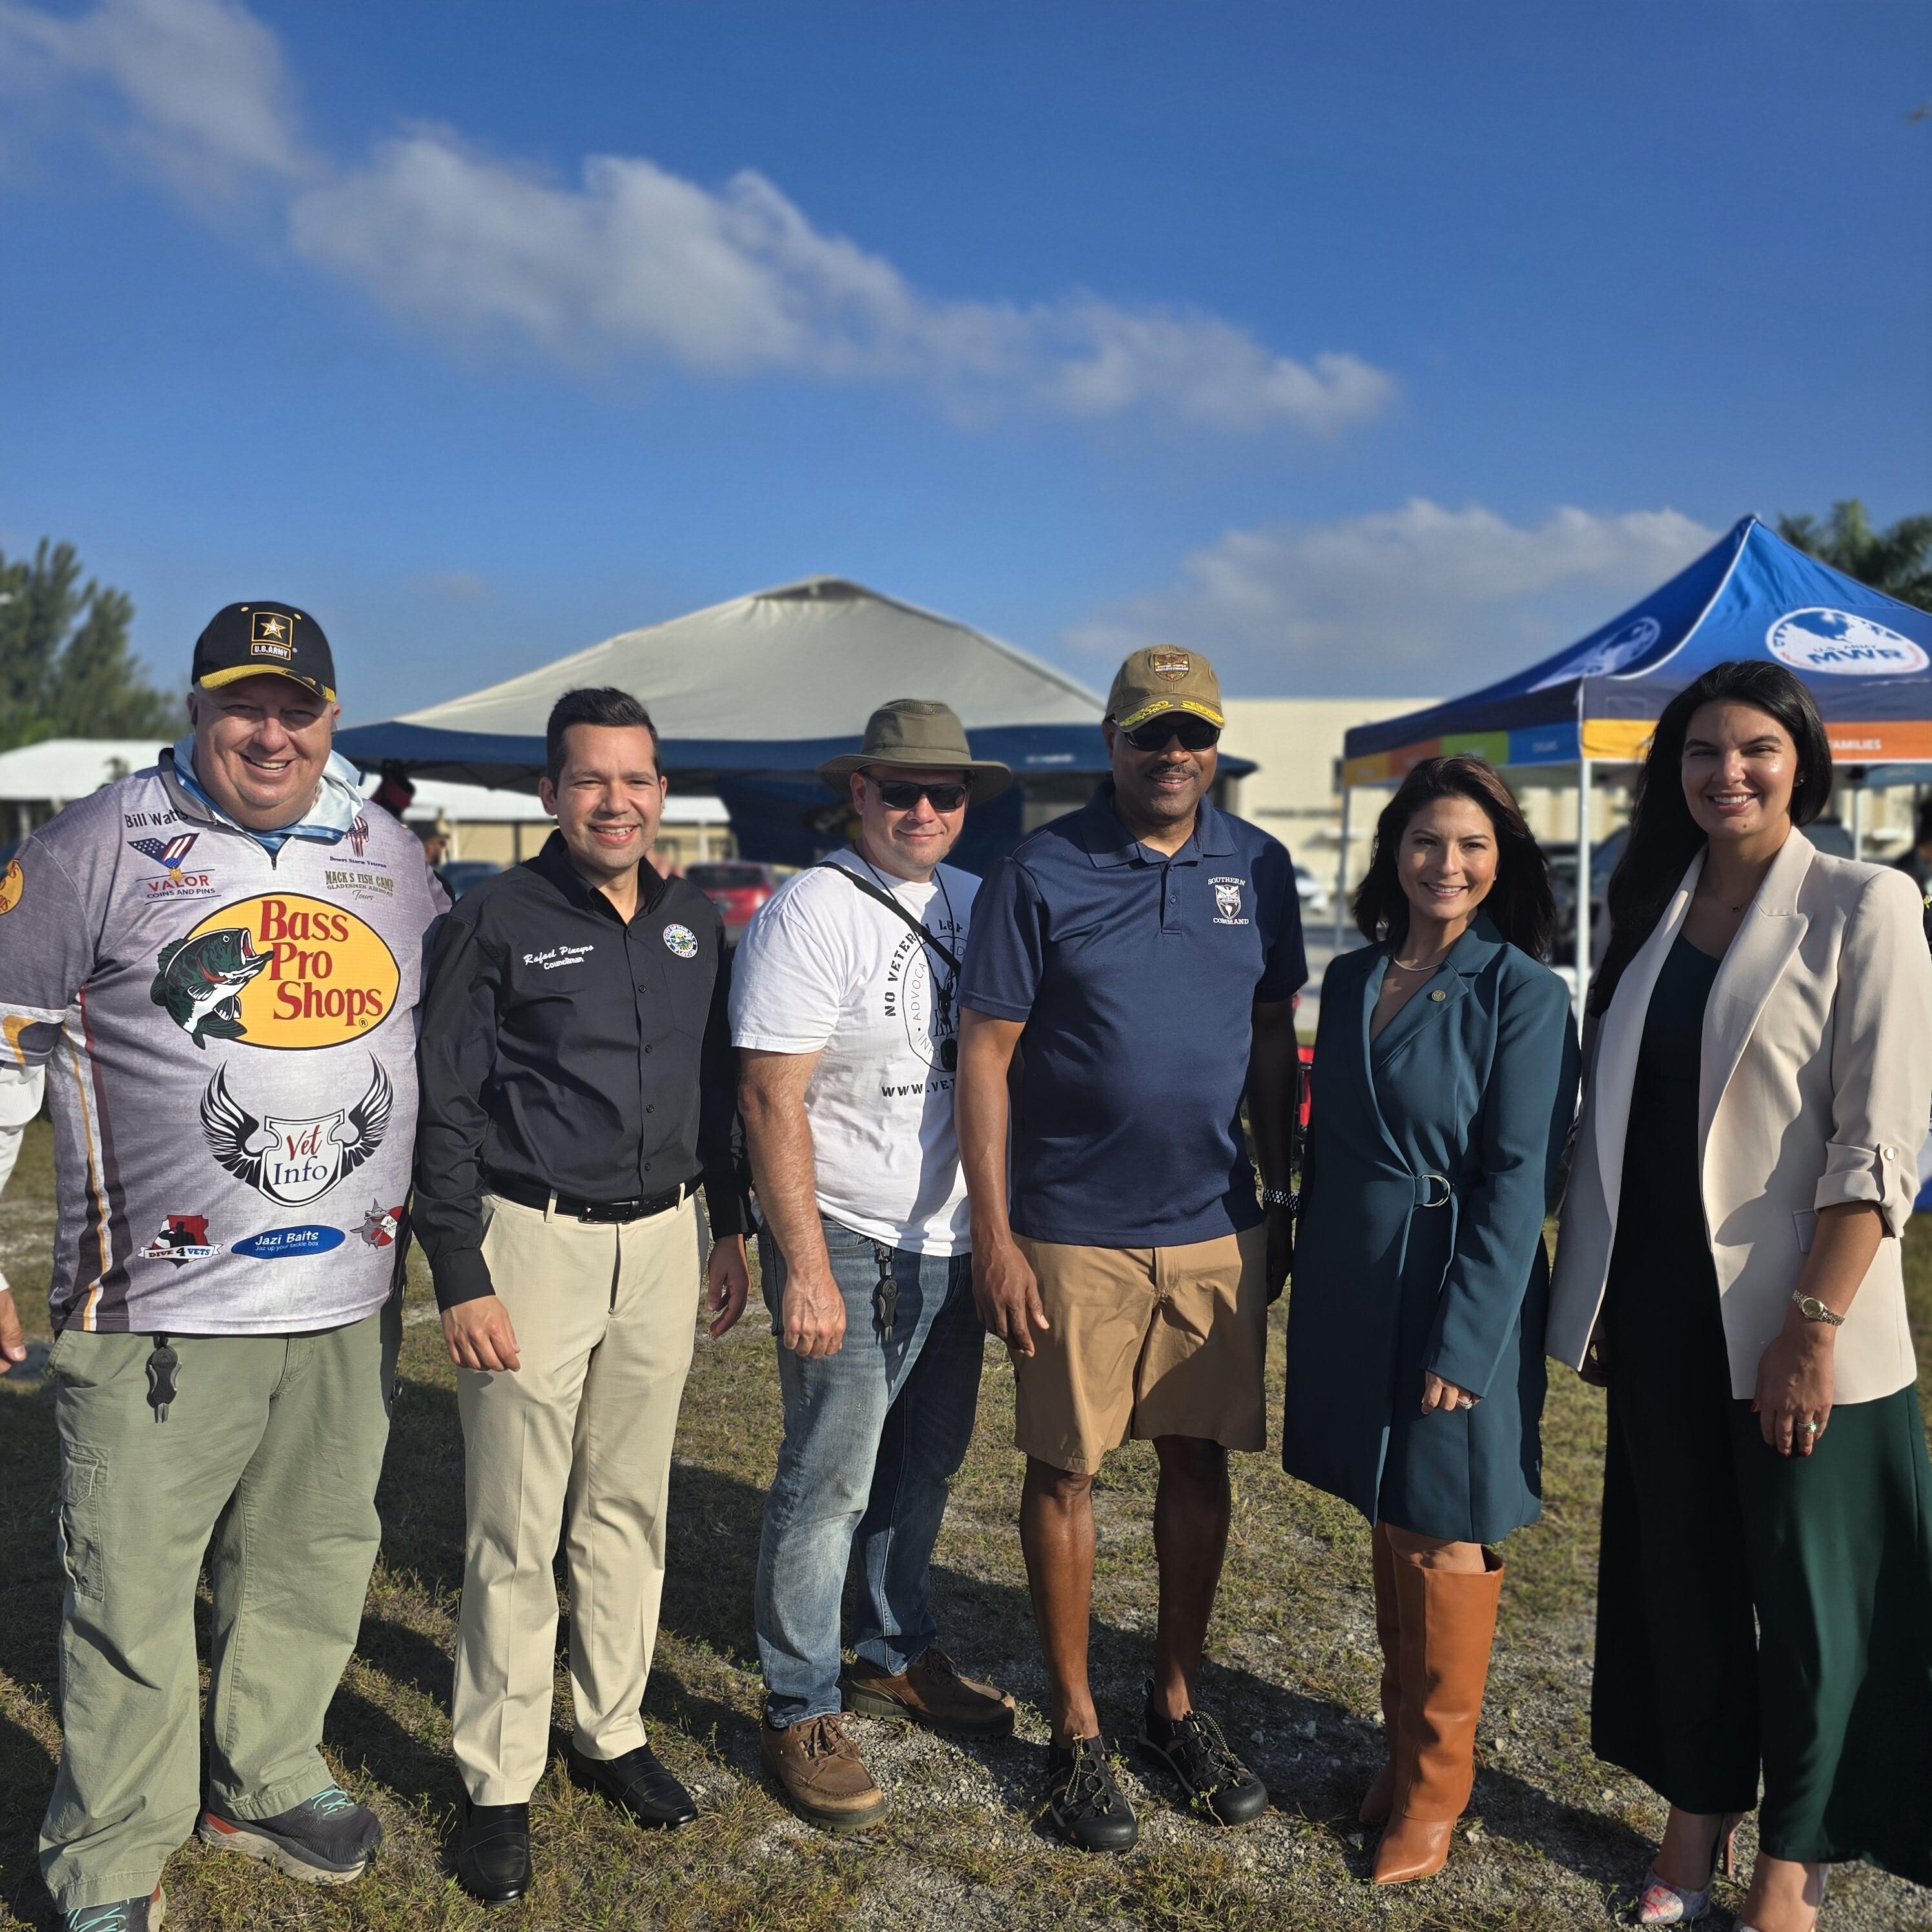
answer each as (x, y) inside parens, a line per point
(1552, 1839)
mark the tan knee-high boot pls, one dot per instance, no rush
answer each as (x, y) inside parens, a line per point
(1380, 1798)
(1448, 1623)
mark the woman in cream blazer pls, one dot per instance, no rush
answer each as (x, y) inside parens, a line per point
(1729, 1266)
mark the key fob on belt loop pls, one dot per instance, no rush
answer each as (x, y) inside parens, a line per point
(888, 1293)
(164, 1370)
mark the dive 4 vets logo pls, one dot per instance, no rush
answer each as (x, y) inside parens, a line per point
(292, 1160)
(183, 1238)
(281, 969)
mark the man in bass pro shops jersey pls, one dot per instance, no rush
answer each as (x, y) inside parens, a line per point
(212, 965)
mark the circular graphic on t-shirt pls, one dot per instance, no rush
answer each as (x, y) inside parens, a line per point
(925, 1002)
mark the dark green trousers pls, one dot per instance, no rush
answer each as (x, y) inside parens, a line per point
(266, 1467)
(1759, 1611)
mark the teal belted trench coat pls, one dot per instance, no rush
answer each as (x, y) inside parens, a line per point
(1432, 1157)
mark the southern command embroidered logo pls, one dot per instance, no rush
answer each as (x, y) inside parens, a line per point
(682, 940)
(268, 637)
(1228, 899)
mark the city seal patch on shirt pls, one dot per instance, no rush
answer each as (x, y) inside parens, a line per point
(682, 940)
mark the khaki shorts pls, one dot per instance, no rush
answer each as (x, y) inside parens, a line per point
(1144, 1342)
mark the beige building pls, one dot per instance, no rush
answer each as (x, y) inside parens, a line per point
(1297, 794)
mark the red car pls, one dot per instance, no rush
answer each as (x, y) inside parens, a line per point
(737, 887)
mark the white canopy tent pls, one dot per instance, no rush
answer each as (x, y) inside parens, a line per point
(779, 679)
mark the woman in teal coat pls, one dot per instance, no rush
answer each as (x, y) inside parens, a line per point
(1445, 1082)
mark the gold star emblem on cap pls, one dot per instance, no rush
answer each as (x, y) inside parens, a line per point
(272, 627)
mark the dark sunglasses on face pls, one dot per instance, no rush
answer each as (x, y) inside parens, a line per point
(1195, 734)
(902, 794)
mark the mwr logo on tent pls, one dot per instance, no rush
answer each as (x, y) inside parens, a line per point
(280, 971)
(1843, 643)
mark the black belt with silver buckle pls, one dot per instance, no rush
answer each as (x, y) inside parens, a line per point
(545, 1201)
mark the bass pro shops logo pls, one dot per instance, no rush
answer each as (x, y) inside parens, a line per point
(279, 970)
(295, 1160)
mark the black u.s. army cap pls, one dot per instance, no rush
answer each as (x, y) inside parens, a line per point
(255, 639)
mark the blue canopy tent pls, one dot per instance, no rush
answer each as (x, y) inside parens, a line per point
(752, 696)
(1866, 658)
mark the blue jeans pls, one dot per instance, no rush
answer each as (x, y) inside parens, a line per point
(873, 1436)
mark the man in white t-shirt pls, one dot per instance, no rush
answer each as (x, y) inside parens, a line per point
(843, 1007)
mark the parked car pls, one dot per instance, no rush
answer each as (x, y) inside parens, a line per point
(1828, 835)
(737, 887)
(458, 875)
(1316, 902)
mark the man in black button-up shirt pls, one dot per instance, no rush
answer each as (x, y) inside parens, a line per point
(577, 1084)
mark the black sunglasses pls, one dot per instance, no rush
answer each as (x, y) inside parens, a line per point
(1195, 734)
(902, 794)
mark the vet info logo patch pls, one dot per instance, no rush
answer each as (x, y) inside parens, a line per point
(1843, 644)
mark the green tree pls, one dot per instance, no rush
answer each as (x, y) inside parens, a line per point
(1897, 561)
(66, 671)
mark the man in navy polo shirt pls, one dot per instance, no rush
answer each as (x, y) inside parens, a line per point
(1141, 957)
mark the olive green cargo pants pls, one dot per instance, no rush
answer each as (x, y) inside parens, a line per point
(267, 1464)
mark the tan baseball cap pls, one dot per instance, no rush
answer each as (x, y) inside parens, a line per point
(1163, 677)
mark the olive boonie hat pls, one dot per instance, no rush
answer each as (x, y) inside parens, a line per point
(254, 640)
(920, 734)
(1164, 678)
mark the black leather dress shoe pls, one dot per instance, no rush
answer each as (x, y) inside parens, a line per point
(638, 1783)
(493, 1852)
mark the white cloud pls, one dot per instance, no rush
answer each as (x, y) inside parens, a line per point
(739, 281)
(633, 261)
(205, 95)
(1418, 599)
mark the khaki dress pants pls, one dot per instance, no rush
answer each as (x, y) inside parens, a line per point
(605, 1316)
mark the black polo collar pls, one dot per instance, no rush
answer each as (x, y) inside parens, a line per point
(553, 863)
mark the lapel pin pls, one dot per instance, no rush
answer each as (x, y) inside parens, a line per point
(1438, 994)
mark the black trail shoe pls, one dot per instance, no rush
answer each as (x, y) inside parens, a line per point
(493, 1852)
(328, 1839)
(124, 1915)
(1193, 1750)
(638, 1783)
(1084, 1803)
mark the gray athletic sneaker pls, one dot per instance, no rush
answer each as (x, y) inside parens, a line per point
(124, 1915)
(328, 1839)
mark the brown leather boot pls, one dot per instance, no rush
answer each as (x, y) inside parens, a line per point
(822, 1773)
(932, 1693)
(1379, 1800)
(1448, 1622)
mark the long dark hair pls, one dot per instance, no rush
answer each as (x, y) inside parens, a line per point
(1664, 836)
(1520, 903)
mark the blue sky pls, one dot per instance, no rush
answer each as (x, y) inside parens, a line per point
(1369, 347)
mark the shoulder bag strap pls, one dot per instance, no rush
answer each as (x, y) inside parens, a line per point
(892, 905)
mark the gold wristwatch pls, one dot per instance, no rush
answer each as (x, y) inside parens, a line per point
(1812, 1309)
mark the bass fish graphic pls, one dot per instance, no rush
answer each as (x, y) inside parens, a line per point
(200, 982)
